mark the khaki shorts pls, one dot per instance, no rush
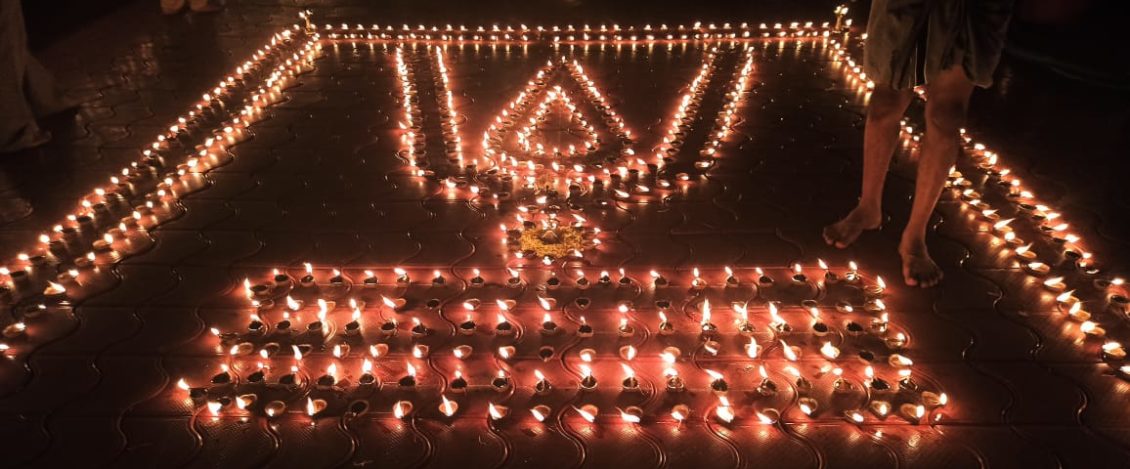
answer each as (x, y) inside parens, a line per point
(969, 33)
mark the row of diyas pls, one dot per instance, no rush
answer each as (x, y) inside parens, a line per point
(453, 141)
(412, 139)
(1063, 255)
(724, 122)
(114, 221)
(572, 33)
(581, 39)
(402, 278)
(905, 399)
(771, 349)
(687, 111)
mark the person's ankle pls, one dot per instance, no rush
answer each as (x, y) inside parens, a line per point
(868, 213)
(912, 245)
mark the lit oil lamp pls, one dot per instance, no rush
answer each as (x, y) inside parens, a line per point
(588, 381)
(896, 342)
(831, 352)
(912, 412)
(906, 382)
(881, 408)
(780, 327)
(630, 382)
(631, 415)
(680, 412)
(625, 329)
(419, 330)
(852, 275)
(501, 382)
(582, 282)
(745, 327)
(628, 352)
(768, 416)
(477, 280)
(307, 281)
(934, 400)
(752, 349)
(369, 281)
(830, 278)
(55, 293)
(389, 327)
(708, 328)
(1037, 268)
(337, 279)
(763, 281)
(367, 378)
(402, 409)
(540, 412)
(1092, 329)
(658, 280)
(548, 327)
(876, 289)
(327, 380)
(448, 407)
(731, 280)
(1077, 313)
(514, 280)
(767, 387)
(1025, 254)
(717, 382)
(393, 304)
(467, 327)
(1113, 351)
(507, 352)
(409, 379)
(799, 279)
(723, 411)
(1055, 284)
(503, 327)
(878, 385)
(584, 330)
(605, 278)
(497, 412)
(712, 346)
(841, 385)
(808, 405)
(587, 412)
(698, 283)
(819, 328)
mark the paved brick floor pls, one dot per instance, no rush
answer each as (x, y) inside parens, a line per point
(96, 383)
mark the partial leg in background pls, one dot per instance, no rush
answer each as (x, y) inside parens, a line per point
(880, 135)
(947, 101)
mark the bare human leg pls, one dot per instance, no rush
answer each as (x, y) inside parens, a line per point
(948, 99)
(880, 135)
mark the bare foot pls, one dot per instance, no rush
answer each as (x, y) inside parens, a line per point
(844, 232)
(918, 269)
